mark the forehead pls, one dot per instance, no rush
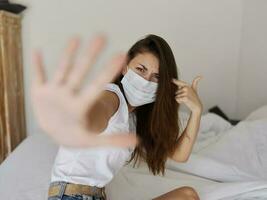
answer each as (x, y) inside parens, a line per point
(147, 59)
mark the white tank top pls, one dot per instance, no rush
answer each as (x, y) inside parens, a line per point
(95, 166)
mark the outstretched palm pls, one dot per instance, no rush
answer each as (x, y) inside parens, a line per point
(60, 105)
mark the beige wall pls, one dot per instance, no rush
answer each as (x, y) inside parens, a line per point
(204, 35)
(252, 83)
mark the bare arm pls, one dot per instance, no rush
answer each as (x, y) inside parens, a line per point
(104, 108)
(188, 95)
(187, 139)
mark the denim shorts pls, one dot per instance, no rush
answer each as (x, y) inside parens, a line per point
(62, 196)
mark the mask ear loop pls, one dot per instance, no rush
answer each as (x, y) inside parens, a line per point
(127, 68)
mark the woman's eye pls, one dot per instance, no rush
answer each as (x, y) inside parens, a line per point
(140, 69)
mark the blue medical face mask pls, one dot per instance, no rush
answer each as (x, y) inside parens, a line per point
(138, 90)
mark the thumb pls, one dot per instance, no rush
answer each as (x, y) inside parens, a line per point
(195, 82)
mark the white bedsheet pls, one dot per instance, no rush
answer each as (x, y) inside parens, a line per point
(227, 163)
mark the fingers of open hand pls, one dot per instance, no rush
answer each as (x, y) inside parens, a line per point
(39, 76)
(86, 62)
(112, 69)
(67, 60)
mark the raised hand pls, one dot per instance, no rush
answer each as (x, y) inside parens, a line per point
(61, 105)
(188, 94)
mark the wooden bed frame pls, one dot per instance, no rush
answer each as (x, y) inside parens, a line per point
(12, 109)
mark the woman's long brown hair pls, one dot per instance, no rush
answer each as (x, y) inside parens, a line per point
(156, 123)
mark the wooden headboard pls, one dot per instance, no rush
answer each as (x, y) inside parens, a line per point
(12, 109)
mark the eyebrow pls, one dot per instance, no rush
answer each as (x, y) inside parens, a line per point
(146, 68)
(143, 66)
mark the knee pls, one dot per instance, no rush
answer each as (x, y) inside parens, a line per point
(190, 193)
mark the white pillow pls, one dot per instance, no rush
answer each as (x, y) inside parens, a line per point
(259, 113)
(209, 122)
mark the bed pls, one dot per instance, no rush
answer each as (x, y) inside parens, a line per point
(227, 163)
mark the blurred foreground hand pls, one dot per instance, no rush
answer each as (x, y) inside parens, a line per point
(61, 104)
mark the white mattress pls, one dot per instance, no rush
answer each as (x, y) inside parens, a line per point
(227, 163)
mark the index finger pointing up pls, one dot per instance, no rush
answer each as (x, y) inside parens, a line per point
(195, 82)
(179, 82)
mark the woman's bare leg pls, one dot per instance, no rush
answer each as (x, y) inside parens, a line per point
(182, 193)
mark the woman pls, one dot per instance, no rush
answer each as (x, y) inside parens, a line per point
(148, 89)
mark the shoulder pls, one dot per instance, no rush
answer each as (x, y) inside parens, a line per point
(109, 100)
(108, 109)
(113, 91)
(119, 121)
(115, 94)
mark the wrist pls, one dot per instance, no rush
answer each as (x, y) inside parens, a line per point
(197, 111)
